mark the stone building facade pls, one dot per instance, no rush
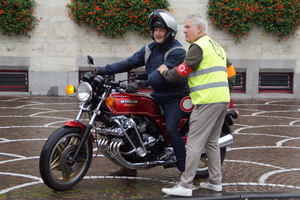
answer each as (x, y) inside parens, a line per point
(56, 53)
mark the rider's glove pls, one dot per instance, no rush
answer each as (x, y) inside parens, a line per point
(97, 71)
(142, 84)
(132, 87)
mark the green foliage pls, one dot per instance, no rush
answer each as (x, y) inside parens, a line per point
(237, 17)
(115, 17)
(16, 17)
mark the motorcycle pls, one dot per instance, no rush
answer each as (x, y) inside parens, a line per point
(127, 128)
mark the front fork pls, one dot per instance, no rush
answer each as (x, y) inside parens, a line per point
(89, 127)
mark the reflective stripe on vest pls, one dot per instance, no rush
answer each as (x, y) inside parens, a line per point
(208, 70)
(209, 84)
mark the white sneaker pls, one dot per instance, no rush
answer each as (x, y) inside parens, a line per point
(177, 190)
(209, 186)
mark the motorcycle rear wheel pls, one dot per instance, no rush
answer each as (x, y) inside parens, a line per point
(57, 169)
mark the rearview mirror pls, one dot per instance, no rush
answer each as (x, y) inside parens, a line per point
(90, 60)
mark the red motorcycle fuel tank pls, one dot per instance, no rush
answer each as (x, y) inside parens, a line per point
(132, 104)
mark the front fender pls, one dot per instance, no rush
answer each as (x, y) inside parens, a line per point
(81, 126)
(76, 124)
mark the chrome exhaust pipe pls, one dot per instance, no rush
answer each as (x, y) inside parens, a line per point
(223, 141)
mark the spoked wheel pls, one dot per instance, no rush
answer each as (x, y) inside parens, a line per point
(58, 169)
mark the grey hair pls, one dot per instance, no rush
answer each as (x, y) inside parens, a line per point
(198, 20)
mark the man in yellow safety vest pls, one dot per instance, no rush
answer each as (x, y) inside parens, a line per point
(208, 72)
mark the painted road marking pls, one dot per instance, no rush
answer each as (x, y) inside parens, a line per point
(33, 105)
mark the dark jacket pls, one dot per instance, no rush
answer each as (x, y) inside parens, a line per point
(162, 88)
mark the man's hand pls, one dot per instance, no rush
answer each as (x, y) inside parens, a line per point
(162, 68)
(97, 71)
(132, 87)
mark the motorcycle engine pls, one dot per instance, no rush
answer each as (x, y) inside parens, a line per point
(116, 126)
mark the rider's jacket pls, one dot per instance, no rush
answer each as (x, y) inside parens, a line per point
(152, 56)
(208, 83)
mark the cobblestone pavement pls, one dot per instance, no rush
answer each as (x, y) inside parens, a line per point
(263, 162)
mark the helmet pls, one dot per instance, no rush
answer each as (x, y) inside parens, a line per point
(162, 18)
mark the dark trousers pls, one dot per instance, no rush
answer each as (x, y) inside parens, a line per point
(173, 115)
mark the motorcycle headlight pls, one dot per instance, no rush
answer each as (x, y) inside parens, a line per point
(84, 91)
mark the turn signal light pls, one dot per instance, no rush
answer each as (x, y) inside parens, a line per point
(110, 101)
(70, 89)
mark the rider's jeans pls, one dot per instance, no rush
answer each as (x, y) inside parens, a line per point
(173, 115)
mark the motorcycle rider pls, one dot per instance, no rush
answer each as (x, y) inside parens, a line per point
(165, 50)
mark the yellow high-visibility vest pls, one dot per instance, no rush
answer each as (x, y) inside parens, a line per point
(209, 84)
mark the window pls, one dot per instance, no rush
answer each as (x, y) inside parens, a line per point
(240, 83)
(13, 81)
(276, 83)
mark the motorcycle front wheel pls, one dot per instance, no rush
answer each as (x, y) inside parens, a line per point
(58, 169)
